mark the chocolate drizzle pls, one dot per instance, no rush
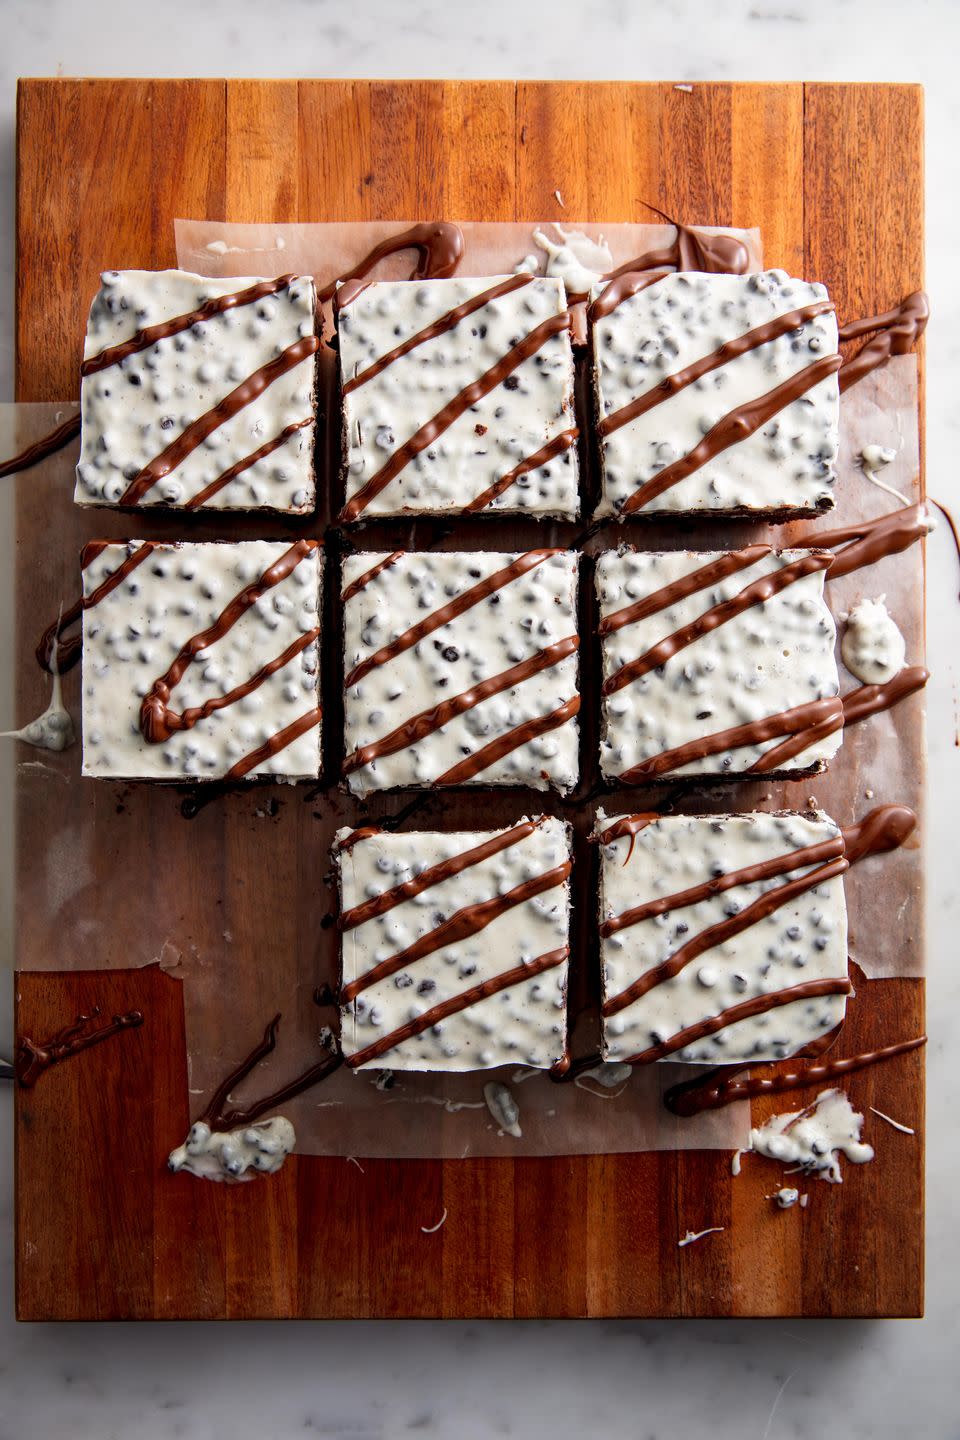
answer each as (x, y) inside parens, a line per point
(730, 349)
(362, 581)
(448, 321)
(522, 734)
(732, 428)
(166, 329)
(466, 922)
(756, 593)
(557, 446)
(899, 330)
(717, 1088)
(444, 418)
(68, 650)
(217, 1114)
(868, 541)
(66, 431)
(198, 430)
(32, 1058)
(158, 722)
(261, 453)
(275, 744)
(456, 1003)
(438, 618)
(418, 727)
(683, 587)
(440, 249)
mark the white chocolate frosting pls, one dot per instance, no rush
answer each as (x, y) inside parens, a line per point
(814, 1139)
(234, 1155)
(872, 647)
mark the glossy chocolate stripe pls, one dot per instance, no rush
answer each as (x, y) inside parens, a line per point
(456, 1003)
(749, 875)
(435, 875)
(683, 587)
(418, 727)
(166, 329)
(724, 930)
(362, 581)
(900, 329)
(759, 1005)
(754, 732)
(857, 704)
(756, 593)
(564, 441)
(275, 744)
(622, 285)
(196, 432)
(466, 922)
(446, 322)
(452, 411)
(885, 828)
(66, 431)
(245, 463)
(68, 651)
(489, 754)
(627, 825)
(157, 721)
(439, 245)
(219, 1116)
(459, 605)
(671, 385)
(870, 540)
(31, 1058)
(737, 425)
(711, 1091)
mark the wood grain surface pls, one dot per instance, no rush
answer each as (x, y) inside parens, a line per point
(833, 177)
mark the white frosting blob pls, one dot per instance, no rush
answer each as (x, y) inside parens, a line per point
(234, 1154)
(503, 1108)
(577, 260)
(53, 730)
(786, 1197)
(814, 1139)
(873, 648)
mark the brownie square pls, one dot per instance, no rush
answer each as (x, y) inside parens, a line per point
(717, 664)
(723, 937)
(455, 947)
(199, 393)
(458, 397)
(719, 394)
(200, 661)
(460, 669)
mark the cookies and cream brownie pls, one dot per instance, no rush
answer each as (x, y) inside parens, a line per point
(455, 947)
(723, 937)
(458, 397)
(460, 668)
(200, 661)
(716, 393)
(717, 664)
(199, 393)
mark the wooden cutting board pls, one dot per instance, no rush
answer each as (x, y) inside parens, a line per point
(833, 176)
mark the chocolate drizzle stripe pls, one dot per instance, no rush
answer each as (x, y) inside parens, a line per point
(418, 727)
(671, 385)
(440, 249)
(458, 606)
(627, 825)
(489, 754)
(755, 732)
(724, 930)
(186, 719)
(759, 1005)
(66, 431)
(166, 329)
(683, 587)
(449, 321)
(719, 884)
(32, 1058)
(452, 411)
(457, 1003)
(362, 581)
(435, 875)
(219, 1116)
(68, 651)
(857, 704)
(689, 250)
(564, 441)
(885, 828)
(365, 832)
(466, 922)
(715, 1089)
(794, 745)
(245, 463)
(756, 593)
(737, 425)
(196, 432)
(275, 744)
(157, 721)
(900, 329)
(870, 540)
(622, 285)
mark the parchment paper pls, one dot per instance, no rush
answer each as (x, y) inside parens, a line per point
(92, 894)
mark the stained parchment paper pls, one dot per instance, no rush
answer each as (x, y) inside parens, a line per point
(238, 901)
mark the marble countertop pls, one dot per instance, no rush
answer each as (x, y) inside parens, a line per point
(765, 1379)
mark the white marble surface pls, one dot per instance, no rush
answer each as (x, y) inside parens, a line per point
(768, 1380)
